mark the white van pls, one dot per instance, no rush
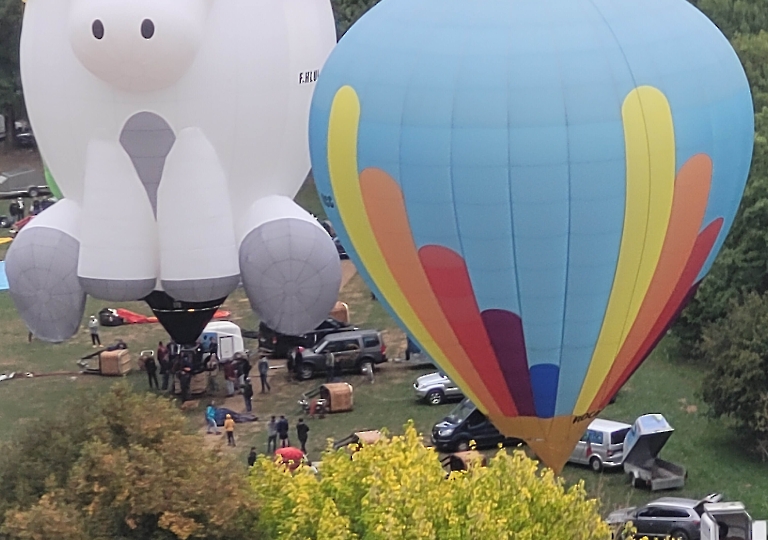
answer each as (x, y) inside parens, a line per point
(228, 338)
(602, 445)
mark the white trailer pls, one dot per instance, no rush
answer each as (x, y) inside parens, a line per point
(228, 338)
(730, 521)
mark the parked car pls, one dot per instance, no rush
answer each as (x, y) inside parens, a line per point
(602, 445)
(466, 423)
(669, 516)
(356, 350)
(278, 345)
(23, 181)
(436, 388)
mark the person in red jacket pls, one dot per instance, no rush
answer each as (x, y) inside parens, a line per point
(231, 377)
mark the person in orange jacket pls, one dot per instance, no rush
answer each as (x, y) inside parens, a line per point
(229, 427)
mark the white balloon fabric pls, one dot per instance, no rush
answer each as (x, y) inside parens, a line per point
(164, 122)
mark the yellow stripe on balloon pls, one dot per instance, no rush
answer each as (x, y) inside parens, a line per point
(345, 181)
(649, 138)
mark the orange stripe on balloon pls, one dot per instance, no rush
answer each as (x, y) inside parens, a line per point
(701, 251)
(385, 205)
(449, 278)
(689, 204)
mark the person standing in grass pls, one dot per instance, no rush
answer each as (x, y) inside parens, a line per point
(282, 431)
(151, 367)
(248, 394)
(210, 418)
(252, 456)
(165, 364)
(93, 328)
(229, 427)
(272, 436)
(230, 377)
(302, 430)
(263, 371)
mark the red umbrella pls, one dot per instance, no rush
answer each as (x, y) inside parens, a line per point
(290, 456)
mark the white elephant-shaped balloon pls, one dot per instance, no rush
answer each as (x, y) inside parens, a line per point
(177, 132)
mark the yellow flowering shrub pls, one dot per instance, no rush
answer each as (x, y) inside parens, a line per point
(396, 489)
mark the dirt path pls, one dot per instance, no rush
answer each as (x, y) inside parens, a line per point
(348, 271)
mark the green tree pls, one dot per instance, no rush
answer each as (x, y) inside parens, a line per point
(736, 385)
(130, 471)
(10, 79)
(396, 489)
(348, 11)
(742, 266)
(735, 16)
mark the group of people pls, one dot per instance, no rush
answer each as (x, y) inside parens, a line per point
(174, 362)
(278, 429)
(17, 210)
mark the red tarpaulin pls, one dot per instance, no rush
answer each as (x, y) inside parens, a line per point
(135, 318)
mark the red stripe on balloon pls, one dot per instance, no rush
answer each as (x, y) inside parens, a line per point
(688, 208)
(449, 279)
(701, 251)
(505, 330)
(385, 205)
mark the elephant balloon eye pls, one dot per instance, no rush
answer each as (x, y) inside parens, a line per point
(98, 29)
(147, 28)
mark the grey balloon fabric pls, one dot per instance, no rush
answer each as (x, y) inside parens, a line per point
(201, 290)
(147, 139)
(291, 274)
(41, 265)
(123, 290)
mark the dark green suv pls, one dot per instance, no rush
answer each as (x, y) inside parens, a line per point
(353, 351)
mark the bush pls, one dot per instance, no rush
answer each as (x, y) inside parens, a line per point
(736, 385)
(120, 467)
(397, 489)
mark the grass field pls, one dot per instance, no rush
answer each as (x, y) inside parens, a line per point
(713, 455)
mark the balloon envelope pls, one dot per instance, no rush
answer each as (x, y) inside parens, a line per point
(533, 188)
(167, 125)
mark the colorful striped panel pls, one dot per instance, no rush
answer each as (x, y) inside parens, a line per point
(385, 207)
(650, 154)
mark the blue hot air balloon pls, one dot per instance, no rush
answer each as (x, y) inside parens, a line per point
(533, 187)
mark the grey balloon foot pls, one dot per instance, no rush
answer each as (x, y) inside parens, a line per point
(41, 266)
(291, 273)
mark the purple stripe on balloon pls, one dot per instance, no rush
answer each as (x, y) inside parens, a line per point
(505, 330)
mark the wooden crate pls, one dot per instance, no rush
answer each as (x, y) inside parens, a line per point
(115, 363)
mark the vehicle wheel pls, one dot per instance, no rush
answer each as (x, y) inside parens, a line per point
(435, 397)
(307, 371)
(679, 535)
(33, 192)
(365, 365)
(595, 464)
(462, 446)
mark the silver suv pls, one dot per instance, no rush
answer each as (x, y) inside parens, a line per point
(435, 388)
(669, 517)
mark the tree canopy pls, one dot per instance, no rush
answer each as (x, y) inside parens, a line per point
(347, 12)
(736, 386)
(397, 489)
(10, 79)
(120, 467)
